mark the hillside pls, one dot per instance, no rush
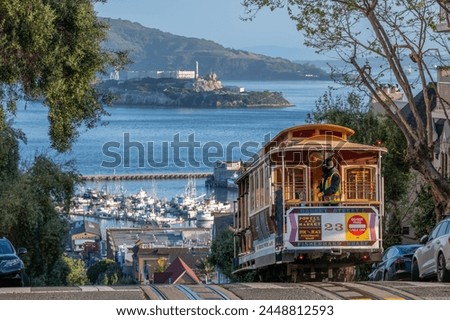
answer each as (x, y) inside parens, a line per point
(152, 49)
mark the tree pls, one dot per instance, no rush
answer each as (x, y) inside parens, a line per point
(353, 111)
(206, 267)
(391, 33)
(222, 255)
(162, 264)
(106, 272)
(76, 275)
(423, 220)
(51, 50)
(29, 198)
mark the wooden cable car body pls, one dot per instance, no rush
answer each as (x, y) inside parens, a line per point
(282, 223)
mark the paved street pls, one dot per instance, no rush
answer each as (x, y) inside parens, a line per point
(246, 291)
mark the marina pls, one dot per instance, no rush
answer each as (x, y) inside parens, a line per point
(148, 208)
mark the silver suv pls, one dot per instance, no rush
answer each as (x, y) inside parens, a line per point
(433, 259)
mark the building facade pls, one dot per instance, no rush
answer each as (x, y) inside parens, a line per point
(138, 250)
(84, 234)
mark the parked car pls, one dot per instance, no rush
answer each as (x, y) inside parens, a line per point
(433, 258)
(395, 264)
(12, 269)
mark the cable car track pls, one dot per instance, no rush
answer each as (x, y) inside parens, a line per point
(190, 294)
(358, 291)
(158, 292)
(223, 295)
(328, 290)
(405, 295)
(187, 292)
(202, 292)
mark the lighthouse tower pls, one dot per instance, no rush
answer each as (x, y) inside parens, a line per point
(196, 69)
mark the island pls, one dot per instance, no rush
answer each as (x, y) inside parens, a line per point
(201, 92)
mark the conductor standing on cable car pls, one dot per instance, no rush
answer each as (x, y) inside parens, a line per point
(330, 186)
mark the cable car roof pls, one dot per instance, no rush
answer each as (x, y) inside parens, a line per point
(325, 136)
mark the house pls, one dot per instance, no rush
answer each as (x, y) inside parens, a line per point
(440, 116)
(440, 133)
(178, 272)
(137, 250)
(443, 24)
(441, 127)
(85, 234)
(394, 93)
(145, 261)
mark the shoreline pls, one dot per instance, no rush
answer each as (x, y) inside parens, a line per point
(190, 93)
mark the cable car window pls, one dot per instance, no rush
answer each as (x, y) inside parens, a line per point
(294, 183)
(360, 183)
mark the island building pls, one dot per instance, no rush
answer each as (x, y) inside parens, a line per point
(156, 74)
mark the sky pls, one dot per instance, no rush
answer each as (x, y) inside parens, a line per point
(272, 33)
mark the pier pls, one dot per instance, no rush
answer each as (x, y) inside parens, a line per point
(145, 176)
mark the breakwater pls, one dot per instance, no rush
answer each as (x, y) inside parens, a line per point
(146, 176)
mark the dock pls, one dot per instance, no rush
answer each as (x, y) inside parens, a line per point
(146, 176)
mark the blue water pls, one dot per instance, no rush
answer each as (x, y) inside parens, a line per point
(163, 140)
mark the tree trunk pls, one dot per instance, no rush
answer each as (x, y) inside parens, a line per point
(440, 187)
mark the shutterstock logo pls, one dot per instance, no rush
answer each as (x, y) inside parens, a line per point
(188, 152)
(181, 152)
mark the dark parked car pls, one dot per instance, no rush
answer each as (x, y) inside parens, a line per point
(396, 263)
(12, 269)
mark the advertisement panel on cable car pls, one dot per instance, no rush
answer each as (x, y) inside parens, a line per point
(325, 227)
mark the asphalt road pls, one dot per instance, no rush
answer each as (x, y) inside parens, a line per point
(245, 291)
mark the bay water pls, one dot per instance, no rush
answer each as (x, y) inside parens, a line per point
(172, 140)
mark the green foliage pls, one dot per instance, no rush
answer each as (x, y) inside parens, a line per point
(106, 272)
(393, 227)
(222, 252)
(162, 264)
(51, 50)
(352, 111)
(374, 37)
(98, 269)
(28, 202)
(222, 255)
(206, 266)
(425, 219)
(9, 153)
(76, 273)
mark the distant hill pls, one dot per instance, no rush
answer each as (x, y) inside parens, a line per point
(153, 49)
(293, 54)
